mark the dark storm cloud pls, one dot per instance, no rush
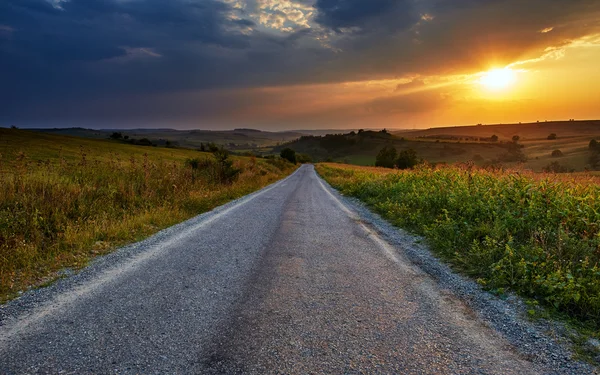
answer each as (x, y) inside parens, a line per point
(339, 14)
(57, 54)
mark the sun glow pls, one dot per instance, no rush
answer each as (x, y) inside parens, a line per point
(498, 79)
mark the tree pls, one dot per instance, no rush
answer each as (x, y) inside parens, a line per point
(594, 145)
(386, 157)
(515, 138)
(552, 136)
(557, 154)
(288, 154)
(116, 135)
(494, 138)
(407, 159)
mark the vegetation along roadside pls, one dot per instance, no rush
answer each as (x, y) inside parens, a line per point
(64, 200)
(534, 234)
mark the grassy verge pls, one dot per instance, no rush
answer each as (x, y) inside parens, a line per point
(64, 200)
(535, 234)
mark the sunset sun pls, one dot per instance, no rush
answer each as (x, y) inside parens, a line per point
(498, 79)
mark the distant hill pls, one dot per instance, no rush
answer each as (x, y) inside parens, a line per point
(235, 140)
(526, 131)
(464, 143)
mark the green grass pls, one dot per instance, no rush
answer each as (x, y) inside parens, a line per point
(64, 200)
(535, 234)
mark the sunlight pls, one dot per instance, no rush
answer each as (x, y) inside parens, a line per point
(498, 79)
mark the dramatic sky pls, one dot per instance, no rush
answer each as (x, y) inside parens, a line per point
(297, 64)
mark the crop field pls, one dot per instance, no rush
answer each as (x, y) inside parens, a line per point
(534, 234)
(64, 199)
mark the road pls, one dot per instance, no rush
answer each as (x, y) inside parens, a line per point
(288, 280)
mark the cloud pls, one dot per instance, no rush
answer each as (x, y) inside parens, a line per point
(91, 50)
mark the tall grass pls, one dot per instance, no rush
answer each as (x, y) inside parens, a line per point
(60, 212)
(535, 234)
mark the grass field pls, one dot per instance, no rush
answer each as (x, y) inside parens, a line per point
(64, 199)
(535, 234)
(238, 140)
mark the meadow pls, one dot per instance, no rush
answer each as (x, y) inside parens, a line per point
(537, 235)
(64, 200)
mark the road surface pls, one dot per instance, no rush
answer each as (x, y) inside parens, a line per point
(285, 281)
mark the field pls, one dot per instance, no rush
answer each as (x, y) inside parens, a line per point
(64, 199)
(534, 234)
(465, 143)
(239, 140)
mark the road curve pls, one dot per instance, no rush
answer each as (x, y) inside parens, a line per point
(285, 281)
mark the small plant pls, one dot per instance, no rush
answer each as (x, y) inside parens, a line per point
(515, 138)
(552, 136)
(557, 154)
(225, 171)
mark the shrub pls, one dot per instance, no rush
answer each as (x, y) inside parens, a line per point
(494, 138)
(557, 154)
(225, 171)
(515, 138)
(386, 157)
(556, 167)
(552, 136)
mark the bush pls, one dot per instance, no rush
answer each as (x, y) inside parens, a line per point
(386, 157)
(594, 146)
(557, 154)
(552, 136)
(288, 154)
(556, 167)
(515, 138)
(225, 171)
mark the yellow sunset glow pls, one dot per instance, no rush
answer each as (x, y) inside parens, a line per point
(498, 79)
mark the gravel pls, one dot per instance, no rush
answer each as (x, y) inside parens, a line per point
(291, 279)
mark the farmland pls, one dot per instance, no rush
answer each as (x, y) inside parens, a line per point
(534, 234)
(64, 200)
(484, 145)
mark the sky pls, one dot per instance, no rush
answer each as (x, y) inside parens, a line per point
(297, 64)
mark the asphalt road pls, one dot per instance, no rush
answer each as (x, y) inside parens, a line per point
(285, 281)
